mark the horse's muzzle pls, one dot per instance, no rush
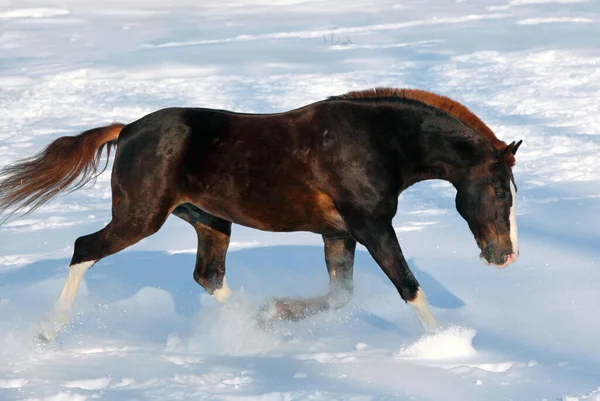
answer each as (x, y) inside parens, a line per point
(497, 258)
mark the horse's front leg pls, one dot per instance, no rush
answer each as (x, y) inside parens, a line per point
(380, 239)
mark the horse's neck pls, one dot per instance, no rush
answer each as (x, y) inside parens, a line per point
(444, 157)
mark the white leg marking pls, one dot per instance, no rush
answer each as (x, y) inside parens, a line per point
(222, 293)
(59, 315)
(76, 272)
(423, 312)
(514, 235)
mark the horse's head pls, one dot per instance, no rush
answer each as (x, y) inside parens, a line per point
(487, 200)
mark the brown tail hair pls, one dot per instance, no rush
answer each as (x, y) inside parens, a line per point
(68, 163)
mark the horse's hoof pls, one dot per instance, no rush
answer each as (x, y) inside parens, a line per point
(46, 332)
(43, 338)
(266, 314)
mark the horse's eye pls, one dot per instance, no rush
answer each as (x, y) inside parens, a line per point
(502, 195)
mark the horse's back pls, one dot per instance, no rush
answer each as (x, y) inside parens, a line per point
(256, 170)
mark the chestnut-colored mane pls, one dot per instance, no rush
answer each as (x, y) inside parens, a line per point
(443, 103)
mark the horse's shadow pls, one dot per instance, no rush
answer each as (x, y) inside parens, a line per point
(268, 271)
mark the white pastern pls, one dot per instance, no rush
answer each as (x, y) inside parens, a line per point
(71, 286)
(514, 235)
(222, 293)
(59, 315)
(423, 312)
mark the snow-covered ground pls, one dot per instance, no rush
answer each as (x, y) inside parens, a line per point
(145, 330)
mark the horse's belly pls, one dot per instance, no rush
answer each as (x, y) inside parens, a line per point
(288, 211)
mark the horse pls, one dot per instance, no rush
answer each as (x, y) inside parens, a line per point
(335, 167)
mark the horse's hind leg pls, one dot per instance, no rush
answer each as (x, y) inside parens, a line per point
(213, 241)
(339, 257)
(134, 218)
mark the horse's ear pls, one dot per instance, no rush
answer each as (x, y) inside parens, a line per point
(507, 152)
(516, 147)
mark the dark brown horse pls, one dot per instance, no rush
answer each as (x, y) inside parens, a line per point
(335, 167)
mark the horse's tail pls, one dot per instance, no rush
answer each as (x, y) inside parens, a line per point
(68, 163)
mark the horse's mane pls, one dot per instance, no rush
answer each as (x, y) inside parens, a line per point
(443, 103)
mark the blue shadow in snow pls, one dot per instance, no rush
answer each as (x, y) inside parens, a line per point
(269, 271)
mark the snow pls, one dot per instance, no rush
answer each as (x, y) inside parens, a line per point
(90, 384)
(453, 342)
(144, 329)
(14, 383)
(32, 13)
(534, 21)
